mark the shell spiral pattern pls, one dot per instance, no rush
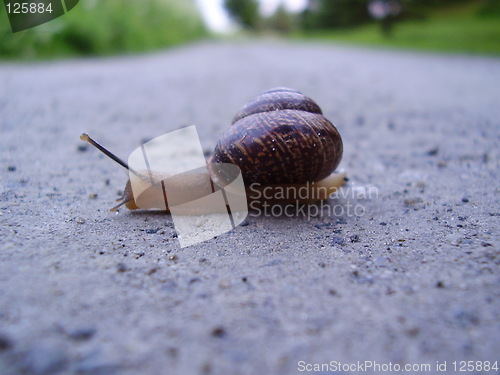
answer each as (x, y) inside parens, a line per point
(281, 137)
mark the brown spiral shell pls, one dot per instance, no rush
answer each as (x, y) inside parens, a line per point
(281, 137)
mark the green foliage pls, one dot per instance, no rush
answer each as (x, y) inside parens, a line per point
(106, 27)
(245, 12)
(491, 9)
(329, 14)
(462, 27)
(338, 14)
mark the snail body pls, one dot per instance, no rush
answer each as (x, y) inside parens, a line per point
(279, 140)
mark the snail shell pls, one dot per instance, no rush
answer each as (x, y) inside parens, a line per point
(281, 137)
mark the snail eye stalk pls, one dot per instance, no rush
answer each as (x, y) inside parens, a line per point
(85, 137)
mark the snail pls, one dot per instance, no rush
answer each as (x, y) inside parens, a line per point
(280, 140)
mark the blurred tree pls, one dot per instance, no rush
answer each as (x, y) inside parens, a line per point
(245, 12)
(282, 21)
(491, 8)
(385, 12)
(328, 14)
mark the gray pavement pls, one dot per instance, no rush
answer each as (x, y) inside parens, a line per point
(411, 277)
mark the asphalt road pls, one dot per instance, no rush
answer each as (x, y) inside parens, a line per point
(411, 277)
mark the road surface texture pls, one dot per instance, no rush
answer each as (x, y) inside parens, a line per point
(402, 268)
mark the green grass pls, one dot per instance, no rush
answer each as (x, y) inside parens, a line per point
(105, 27)
(463, 28)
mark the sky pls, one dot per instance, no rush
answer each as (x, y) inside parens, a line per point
(217, 19)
